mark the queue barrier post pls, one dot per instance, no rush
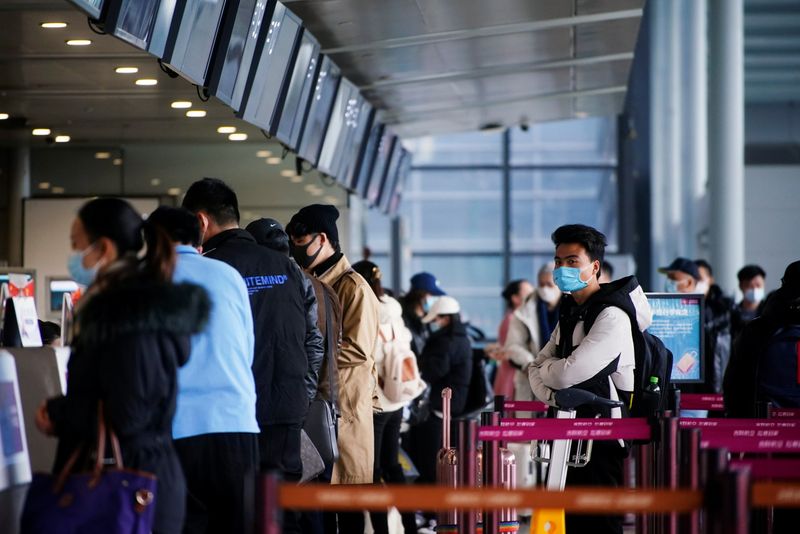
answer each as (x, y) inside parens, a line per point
(644, 478)
(467, 451)
(491, 472)
(269, 514)
(689, 474)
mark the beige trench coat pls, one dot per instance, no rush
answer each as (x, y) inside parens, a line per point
(357, 376)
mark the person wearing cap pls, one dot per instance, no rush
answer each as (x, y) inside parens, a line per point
(283, 328)
(314, 244)
(446, 361)
(685, 276)
(424, 291)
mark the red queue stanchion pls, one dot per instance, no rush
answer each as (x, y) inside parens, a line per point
(491, 470)
(689, 474)
(468, 459)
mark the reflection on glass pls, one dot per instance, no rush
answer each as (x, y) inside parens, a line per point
(302, 80)
(135, 21)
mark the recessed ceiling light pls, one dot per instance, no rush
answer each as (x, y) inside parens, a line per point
(196, 113)
(79, 42)
(3, 116)
(63, 139)
(237, 137)
(53, 25)
(181, 104)
(263, 154)
(126, 70)
(58, 190)
(310, 188)
(41, 131)
(155, 182)
(102, 155)
(317, 192)
(288, 173)
(44, 185)
(331, 200)
(274, 160)
(296, 179)
(174, 191)
(581, 114)
(117, 162)
(146, 81)
(226, 129)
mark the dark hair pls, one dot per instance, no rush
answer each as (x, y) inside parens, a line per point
(512, 289)
(748, 272)
(608, 268)
(591, 240)
(49, 331)
(215, 198)
(706, 265)
(414, 298)
(115, 219)
(179, 224)
(372, 274)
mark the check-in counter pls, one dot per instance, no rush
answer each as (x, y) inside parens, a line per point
(27, 377)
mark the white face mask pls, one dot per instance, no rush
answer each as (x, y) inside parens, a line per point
(549, 294)
(754, 295)
(701, 287)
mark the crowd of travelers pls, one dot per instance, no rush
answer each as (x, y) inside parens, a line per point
(218, 352)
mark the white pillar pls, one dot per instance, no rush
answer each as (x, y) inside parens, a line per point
(726, 138)
(19, 189)
(695, 124)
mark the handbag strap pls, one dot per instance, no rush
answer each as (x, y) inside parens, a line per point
(103, 432)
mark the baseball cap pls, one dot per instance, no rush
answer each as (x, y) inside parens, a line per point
(428, 283)
(683, 265)
(443, 306)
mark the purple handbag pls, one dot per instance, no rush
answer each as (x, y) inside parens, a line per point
(106, 499)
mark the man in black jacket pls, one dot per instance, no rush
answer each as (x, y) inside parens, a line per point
(288, 344)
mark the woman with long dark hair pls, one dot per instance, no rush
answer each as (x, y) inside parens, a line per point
(131, 334)
(386, 423)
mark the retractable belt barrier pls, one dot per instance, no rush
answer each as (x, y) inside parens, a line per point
(524, 406)
(702, 401)
(784, 413)
(770, 468)
(743, 424)
(610, 501)
(552, 429)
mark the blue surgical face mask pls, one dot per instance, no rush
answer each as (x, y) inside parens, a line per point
(428, 304)
(82, 275)
(568, 279)
(434, 326)
(754, 295)
(671, 286)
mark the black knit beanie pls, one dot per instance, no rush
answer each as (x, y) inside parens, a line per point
(316, 218)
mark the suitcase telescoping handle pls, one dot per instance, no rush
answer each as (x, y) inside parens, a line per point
(447, 394)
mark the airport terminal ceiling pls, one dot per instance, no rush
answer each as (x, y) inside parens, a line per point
(431, 67)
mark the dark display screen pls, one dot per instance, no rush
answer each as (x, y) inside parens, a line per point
(320, 110)
(364, 171)
(134, 21)
(402, 178)
(392, 174)
(261, 105)
(344, 119)
(90, 7)
(161, 28)
(352, 160)
(239, 42)
(382, 156)
(295, 108)
(194, 43)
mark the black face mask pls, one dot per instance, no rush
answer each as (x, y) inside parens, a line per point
(300, 253)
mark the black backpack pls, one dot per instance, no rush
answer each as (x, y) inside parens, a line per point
(778, 375)
(651, 356)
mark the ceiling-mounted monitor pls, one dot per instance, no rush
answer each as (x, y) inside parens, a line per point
(162, 28)
(93, 8)
(357, 143)
(402, 178)
(392, 175)
(363, 173)
(240, 40)
(131, 20)
(297, 102)
(263, 99)
(190, 48)
(338, 136)
(383, 155)
(319, 112)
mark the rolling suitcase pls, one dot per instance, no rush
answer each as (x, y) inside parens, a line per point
(447, 467)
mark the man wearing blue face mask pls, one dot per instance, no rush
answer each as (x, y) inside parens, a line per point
(591, 348)
(752, 280)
